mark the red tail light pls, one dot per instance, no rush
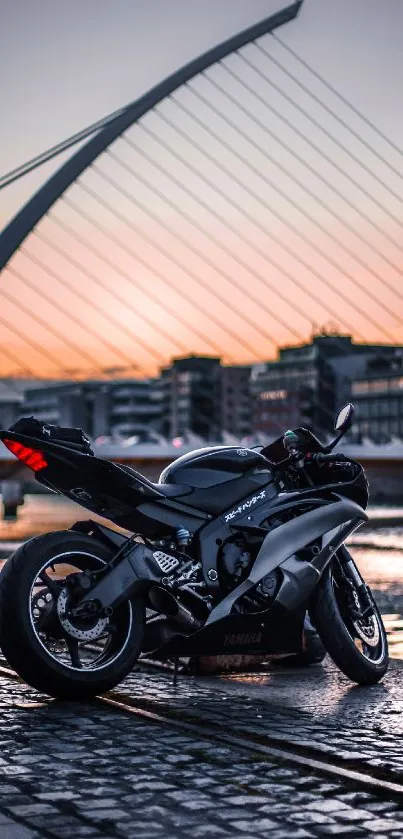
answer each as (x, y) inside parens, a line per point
(31, 457)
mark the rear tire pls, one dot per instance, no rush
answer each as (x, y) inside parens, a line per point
(20, 641)
(333, 627)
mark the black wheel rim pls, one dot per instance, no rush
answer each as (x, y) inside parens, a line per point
(368, 636)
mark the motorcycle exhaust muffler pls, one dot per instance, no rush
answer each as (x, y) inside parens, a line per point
(164, 601)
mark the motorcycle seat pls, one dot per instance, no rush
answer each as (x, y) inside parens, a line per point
(168, 490)
(172, 490)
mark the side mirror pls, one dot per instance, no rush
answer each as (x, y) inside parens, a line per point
(344, 418)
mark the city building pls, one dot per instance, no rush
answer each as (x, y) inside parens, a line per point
(191, 397)
(133, 407)
(125, 407)
(296, 389)
(200, 399)
(12, 394)
(203, 397)
(308, 384)
(235, 400)
(10, 401)
(378, 399)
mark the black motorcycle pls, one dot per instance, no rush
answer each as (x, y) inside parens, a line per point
(224, 555)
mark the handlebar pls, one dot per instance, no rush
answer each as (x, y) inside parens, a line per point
(319, 457)
(300, 459)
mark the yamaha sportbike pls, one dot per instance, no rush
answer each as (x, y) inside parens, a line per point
(224, 555)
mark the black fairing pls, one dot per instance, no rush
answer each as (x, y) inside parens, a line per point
(219, 476)
(109, 490)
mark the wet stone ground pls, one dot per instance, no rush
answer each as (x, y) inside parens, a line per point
(86, 770)
(315, 708)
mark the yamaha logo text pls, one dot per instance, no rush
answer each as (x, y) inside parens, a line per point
(242, 638)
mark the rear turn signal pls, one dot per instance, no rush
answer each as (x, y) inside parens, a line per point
(31, 457)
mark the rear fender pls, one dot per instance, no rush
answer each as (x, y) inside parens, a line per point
(334, 522)
(104, 534)
(98, 485)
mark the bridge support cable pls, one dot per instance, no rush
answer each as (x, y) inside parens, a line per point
(48, 327)
(148, 293)
(347, 103)
(259, 275)
(264, 228)
(164, 277)
(357, 160)
(29, 263)
(191, 274)
(131, 333)
(279, 190)
(115, 349)
(245, 291)
(30, 215)
(39, 160)
(314, 171)
(257, 249)
(182, 184)
(179, 227)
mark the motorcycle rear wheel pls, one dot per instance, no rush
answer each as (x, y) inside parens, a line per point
(63, 659)
(360, 653)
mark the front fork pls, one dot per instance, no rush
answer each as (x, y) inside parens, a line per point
(358, 592)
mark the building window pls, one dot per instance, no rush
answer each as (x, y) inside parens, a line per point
(396, 384)
(394, 407)
(384, 407)
(379, 385)
(373, 408)
(363, 408)
(273, 394)
(184, 378)
(359, 387)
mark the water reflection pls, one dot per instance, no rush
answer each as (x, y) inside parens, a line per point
(380, 568)
(394, 629)
(388, 538)
(42, 513)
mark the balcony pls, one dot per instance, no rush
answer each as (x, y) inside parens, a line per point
(149, 409)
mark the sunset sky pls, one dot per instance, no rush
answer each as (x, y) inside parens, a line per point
(228, 222)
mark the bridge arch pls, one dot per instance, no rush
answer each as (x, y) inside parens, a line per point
(23, 222)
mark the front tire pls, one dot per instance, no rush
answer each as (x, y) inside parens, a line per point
(30, 629)
(313, 651)
(363, 663)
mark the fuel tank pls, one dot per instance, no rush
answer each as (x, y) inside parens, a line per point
(219, 476)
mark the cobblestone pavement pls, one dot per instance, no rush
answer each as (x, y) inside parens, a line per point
(85, 770)
(314, 708)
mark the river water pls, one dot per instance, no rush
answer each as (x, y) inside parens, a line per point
(377, 549)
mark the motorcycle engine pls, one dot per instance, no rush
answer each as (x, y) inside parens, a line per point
(234, 562)
(183, 597)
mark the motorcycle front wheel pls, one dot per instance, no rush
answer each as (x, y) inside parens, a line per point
(65, 657)
(358, 646)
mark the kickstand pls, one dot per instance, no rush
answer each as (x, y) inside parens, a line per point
(175, 679)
